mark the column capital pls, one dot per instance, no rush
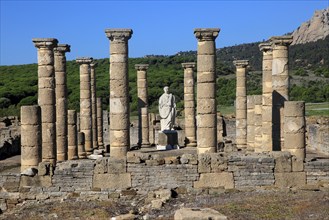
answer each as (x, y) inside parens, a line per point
(116, 34)
(265, 47)
(141, 67)
(281, 40)
(206, 34)
(45, 42)
(188, 65)
(241, 63)
(84, 60)
(62, 48)
(93, 64)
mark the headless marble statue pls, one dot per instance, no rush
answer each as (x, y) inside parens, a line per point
(167, 110)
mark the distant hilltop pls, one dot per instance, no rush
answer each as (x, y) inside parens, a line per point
(317, 28)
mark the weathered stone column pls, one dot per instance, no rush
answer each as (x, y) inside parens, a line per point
(30, 137)
(267, 145)
(294, 128)
(72, 138)
(93, 104)
(143, 132)
(152, 120)
(189, 105)
(61, 100)
(241, 103)
(81, 146)
(119, 96)
(85, 102)
(100, 140)
(258, 123)
(251, 122)
(206, 90)
(46, 96)
(280, 86)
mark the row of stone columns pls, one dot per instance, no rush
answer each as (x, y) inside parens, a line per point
(58, 125)
(269, 116)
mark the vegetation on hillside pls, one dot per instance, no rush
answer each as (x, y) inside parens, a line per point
(308, 62)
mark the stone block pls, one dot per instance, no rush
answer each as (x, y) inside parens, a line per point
(204, 163)
(198, 214)
(168, 138)
(297, 164)
(112, 181)
(117, 165)
(293, 179)
(189, 159)
(215, 180)
(282, 162)
(101, 166)
(218, 163)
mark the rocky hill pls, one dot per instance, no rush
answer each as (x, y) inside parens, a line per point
(315, 29)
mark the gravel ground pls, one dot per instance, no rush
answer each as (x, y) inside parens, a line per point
(259, 204)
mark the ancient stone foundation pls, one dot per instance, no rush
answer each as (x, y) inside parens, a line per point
(111, 178)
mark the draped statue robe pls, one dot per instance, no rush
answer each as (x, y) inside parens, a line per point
(167, 110)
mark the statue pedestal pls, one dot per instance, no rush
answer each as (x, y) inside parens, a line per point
(167, 140)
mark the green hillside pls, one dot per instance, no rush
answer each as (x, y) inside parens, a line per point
(309, 70)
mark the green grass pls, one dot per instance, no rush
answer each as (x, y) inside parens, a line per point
(317, 109)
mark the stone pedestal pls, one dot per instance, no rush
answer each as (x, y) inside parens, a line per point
(61, 100)
(258, 123)
(100, 124)
(241, 103)
(85, 102)
(206, 90)
(30, 137)
(143, 132)
(72, 135)
(280, 86)
(46, 96)
(189, 105)
(119, 95)
(93, 104)
(167, 140)
(294, 128)
(250, 122)
(267, 97)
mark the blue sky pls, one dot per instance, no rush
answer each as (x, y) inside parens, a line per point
(160, 27)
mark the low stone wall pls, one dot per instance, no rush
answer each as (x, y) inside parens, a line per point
(140, 173)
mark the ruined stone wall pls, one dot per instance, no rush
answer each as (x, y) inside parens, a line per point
(318, 135)
(9, 136)
(140, 173)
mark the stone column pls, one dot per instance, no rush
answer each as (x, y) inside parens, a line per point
(81, 146)
(280, 86)
(100, 141)
(30, 137)
(143, 132)
(250, 122)
(267, 97)
(152, 120)
(294, 128)
(241, 103)
(72, 138)
(61, 100)
(119, 95)
(85, 102)
(46, 96)
(206, 90)
(93, 104)
(258, 123)
(189, 105)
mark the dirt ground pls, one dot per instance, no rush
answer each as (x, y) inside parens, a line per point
(261, 204)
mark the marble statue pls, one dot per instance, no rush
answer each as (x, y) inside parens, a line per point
(167, 110)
